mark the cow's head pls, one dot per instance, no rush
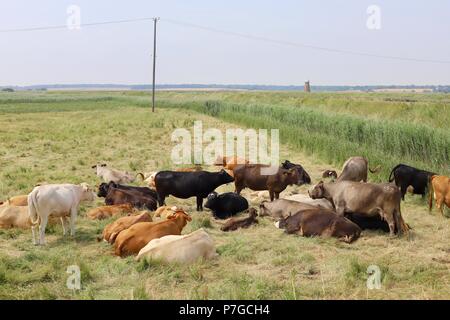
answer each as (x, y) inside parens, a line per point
(180, 215)
(329, 174)
(225, 177)
(318, 192)
(87, 192)
(289, 176)
(211, 200)
(303, 176)
(103, 190)
(263, 210)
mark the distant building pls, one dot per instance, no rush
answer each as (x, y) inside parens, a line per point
(307, 86)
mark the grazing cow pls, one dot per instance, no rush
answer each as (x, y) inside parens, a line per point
(330, 174)
(230, 162)
(181, 249)
(21, 200)
(105, 212)
(110, 174)
(282, 208)
(112, 230)
(136, 199)
(320, 203)
(165, 211)
(189, 184)
(58, 200)
(303, 176)
(12, 216)
(245, 222)
(355, 169)
(103, 189)
(226, 204)
(406, 176)
(133, 239)
(320, 222)
(440, 189)
(364, 198)
(253, 176)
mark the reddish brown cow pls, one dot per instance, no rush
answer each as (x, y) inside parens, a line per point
(440, 189)
(112, 230)
(132, 240)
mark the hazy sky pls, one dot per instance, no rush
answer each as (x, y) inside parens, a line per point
(122, 53)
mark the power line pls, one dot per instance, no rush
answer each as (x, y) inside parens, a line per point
(237, 34)
(301, 45)
(56, 27)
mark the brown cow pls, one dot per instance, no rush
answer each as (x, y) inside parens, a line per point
(132, 240)
(111, 231)
(14, 217)
(138, 200)
(330, 174)
(105, 212)
(364, 198)
(264, 177)
(440, 189)
(320, 222)
(230, 162)
(282, 208)
(355, 169)
(236, 223)
(21, 200)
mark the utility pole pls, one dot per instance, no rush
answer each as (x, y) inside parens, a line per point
(154, 61)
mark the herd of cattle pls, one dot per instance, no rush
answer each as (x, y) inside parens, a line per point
(146, 227)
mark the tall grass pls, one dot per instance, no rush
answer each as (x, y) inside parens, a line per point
(336, 137)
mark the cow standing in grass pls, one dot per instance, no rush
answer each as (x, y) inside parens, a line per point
(58, 200)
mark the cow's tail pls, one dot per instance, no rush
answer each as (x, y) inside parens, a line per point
(376, 169)
(32, 211)
(391, 178)
(430, 196)
(140, 174)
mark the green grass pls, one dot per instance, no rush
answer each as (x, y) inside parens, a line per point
(39, 144)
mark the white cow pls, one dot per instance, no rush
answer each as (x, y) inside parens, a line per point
(117, 176)
(150, 179)
(58, 200)
(181, 249)
(320, 203)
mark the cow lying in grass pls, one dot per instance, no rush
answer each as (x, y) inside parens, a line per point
(133, 239)
(105, 212)
(112, 230)
(117, 176)
(181, 249)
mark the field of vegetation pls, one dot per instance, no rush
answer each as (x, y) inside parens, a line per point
(57, 136)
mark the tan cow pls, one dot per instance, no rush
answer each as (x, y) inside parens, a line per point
(14, 217)
(105, 212)
(181, 249)
(164, 212)
(21, 200)
(440, 189)
(112, 230)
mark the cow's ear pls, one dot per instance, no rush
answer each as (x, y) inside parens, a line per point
(93, 167)
(85, 186)
(103, 165)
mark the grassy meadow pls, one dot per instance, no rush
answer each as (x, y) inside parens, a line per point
(56, 137)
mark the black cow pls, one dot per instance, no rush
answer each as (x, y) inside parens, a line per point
(226, 204)
(368, 222)
(406, 176)
(189, 184)
(104, 187)
(303, 176)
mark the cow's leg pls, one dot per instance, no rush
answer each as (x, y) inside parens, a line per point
(34, 235)
(63, 224)
(277, 195)
(161, 199)
(439, 202)
(42, 227)
(199, 204)
(238, 188)
(340, 209)
(403, 189)
(73, 218)
(272, 195)
(390, 221)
